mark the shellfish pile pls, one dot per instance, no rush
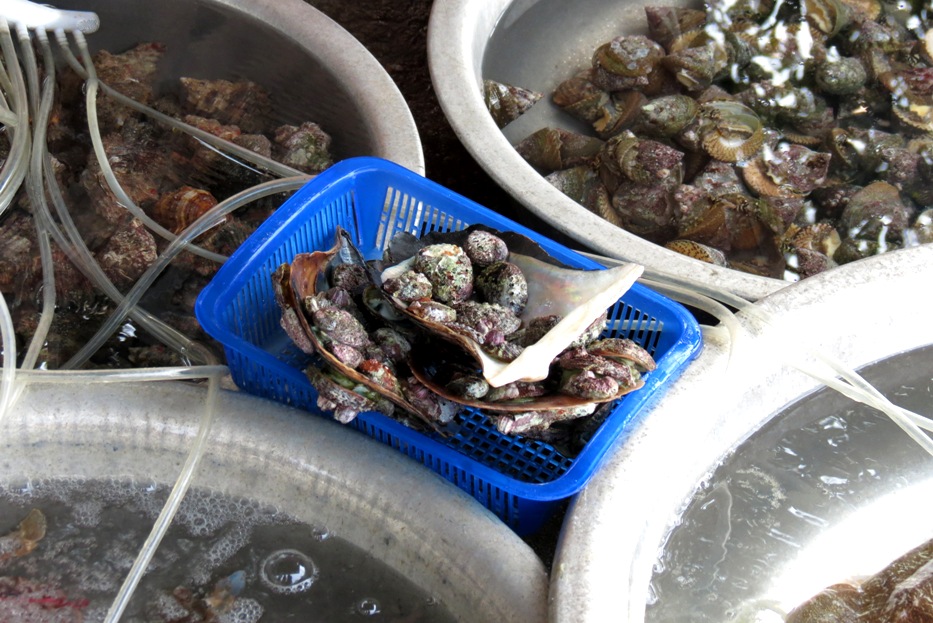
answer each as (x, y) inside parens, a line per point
(460, 320)
(775, 138)
(172, 176)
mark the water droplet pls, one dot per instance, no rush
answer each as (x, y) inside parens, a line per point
(320, 533)
(288, 571)
(368, 607)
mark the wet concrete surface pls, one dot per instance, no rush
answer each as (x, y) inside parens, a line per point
(395, 33)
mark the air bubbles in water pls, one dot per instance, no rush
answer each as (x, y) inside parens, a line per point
(288, 571)
(368, 607)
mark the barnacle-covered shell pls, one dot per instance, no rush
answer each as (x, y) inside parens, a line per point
(392, 344)
(577, 297)
(539, 420)
(730, 131)
(666, 116)
(468, 386)
(349, 277)
(305, 147)
(619, 113)
(448, 269)
(333, 396)
(588, 385)
(787, 171)
(432, 311)
(579, 97)
(702, 219)
(841, 76)
(503, 283)
(408, 287)
(486, 323)
(506, 102)
(485, 248)
(644, 161)
(647, 211)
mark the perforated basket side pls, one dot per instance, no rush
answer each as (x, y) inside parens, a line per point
(238, 307)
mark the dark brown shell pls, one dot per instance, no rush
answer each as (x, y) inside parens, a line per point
(506, 102)
(178, 209)
(243, 103)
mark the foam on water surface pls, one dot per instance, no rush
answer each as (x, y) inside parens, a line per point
(250, 561)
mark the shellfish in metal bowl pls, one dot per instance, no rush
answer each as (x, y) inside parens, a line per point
(473, 318)
(793, 106)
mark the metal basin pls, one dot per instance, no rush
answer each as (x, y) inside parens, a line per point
(310, 468)
(314, 68)
(537, 44)
(726, 421)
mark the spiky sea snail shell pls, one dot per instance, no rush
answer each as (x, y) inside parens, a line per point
(729, 130)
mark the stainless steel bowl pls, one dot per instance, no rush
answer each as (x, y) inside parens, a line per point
(312, 469)
(730, 411)
(537, 44)
(313, 67)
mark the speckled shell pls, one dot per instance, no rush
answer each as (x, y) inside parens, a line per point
(730, 131)
(698, 251)
(506, 102)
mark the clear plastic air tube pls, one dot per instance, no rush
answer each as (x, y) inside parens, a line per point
(73, 246)
(34, 189)
(209, 219)
(14, 169)
(164, 520)
(8, 340)
(836, 375)
(127, 375)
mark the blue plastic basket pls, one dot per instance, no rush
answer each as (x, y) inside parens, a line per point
(522, 481)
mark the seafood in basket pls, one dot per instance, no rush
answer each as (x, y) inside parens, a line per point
(780, 139)
(476, 318)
